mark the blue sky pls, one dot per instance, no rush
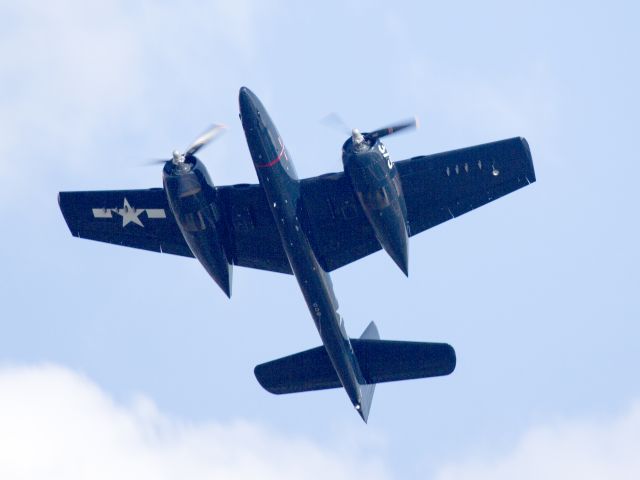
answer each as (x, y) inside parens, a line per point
(537, 291)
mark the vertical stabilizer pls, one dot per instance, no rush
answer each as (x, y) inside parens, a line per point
(370, 333)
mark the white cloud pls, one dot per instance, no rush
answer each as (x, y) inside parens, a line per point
(55, 424)
(580, 449)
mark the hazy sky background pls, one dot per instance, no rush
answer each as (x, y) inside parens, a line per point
(118, 363)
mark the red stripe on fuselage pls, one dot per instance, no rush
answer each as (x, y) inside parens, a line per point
(278, 158)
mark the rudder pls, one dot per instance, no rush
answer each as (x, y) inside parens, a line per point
(367, 390)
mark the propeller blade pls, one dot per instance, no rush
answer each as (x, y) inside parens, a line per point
(212, 133)
(335, 121)
(383, 132)
(156, 161)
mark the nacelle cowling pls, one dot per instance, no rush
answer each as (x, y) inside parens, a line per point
(377, 186)
(192, 199)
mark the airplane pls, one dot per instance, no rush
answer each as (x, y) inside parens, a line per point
(309, 228)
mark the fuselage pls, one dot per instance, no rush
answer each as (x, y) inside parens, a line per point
(279, 180)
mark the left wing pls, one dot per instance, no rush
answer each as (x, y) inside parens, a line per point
(253, 237)
(142, 219)
(132, 218)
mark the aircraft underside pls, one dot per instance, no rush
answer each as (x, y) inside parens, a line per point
(309, 228)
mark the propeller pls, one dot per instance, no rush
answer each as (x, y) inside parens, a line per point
(205, 138)
(334, 121)
(178, 158)
(363, 140)
(383, 132)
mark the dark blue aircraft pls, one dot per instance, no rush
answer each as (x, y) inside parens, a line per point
(308, 228)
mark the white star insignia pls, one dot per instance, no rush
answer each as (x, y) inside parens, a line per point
(129, 214)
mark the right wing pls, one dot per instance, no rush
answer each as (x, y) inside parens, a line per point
(436, 188)
(443, 186)
(335, 222)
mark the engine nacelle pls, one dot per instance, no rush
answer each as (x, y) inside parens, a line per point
(376, 183)
(192, 199)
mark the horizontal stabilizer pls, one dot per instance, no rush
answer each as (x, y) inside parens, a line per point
(379, 360)
(300, 372)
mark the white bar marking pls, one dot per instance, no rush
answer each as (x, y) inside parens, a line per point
(101, 213)
(156, 213)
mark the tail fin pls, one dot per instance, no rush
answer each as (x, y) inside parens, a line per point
(367, 390)
(370, 333)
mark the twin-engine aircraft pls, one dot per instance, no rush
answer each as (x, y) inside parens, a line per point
(309, 228)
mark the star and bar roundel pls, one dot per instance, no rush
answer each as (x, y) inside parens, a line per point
(129, 214)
